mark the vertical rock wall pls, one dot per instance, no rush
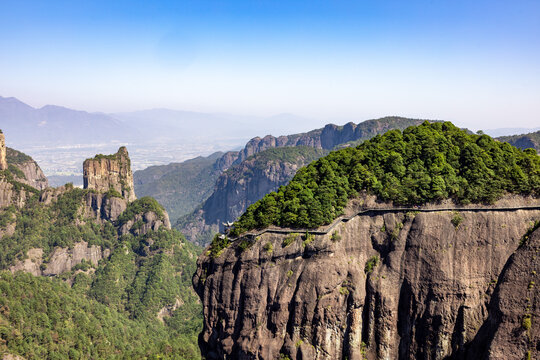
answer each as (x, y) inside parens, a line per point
(389, 286)
(3, 161)
(105, 172)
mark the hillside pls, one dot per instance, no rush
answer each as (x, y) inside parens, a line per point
(233, 193)
(524, 141)
(179, 187)
(243, 184)
(107, 277)
(397, 277)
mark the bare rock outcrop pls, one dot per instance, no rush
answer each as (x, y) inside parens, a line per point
(102, 208)
(28, 172)
(11, 194)
(383, 285)
(512, 330)
(3, 158)
(106, 172)
(60, 260)
(32, 263)
(63, 259)
(143, 223)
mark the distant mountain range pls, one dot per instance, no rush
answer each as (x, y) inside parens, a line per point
(54, 125)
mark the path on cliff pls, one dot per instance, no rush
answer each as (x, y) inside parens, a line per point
(344, 219)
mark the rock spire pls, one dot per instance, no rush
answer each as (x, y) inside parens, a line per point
(3, 160)
(110, 172)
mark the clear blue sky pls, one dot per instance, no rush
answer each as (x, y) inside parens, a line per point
(476, 63)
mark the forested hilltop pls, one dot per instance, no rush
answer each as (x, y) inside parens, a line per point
(425, 163)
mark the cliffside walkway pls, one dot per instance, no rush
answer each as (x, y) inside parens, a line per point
(344, 219)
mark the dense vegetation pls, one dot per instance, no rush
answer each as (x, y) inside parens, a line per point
(108, 310)
(141, 206)
(179, 187)
(425, 163)
(16, 157)
(43, 318)
(292, 155)
(43, 226)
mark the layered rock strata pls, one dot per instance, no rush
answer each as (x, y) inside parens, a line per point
(3, 159)
(383, 285)
(106, 172)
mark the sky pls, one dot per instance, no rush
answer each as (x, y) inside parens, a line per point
(476, 63)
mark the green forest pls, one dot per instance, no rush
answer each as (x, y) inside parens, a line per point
(109, 310)
(425, 163)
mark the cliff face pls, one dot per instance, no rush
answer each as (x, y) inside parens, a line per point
(3, 160)
(243, 184)
(328, 137)
(512, 328)
(105, 172)
(384, 285)
(232, 193)
(28, 171)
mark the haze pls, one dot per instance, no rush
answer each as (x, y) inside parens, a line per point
(474, 63)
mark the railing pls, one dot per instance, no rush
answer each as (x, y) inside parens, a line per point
(344, 219)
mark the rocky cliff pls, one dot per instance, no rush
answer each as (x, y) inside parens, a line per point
(106, 172)
(242, 185)
(245, 182)
(328, 137)
(102, 205)
(25, 169)
(384, 285)
(3, 160)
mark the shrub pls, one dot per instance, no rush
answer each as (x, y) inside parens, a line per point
(526, 323)
(371, 264)
(268, 247)
(457, 219)
(289, 239)
(308, 238)
(244, 244)
(113, 193)
(218, 244)
(335, 236)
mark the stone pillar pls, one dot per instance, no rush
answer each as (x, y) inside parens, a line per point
(3, 161)
(106, 172)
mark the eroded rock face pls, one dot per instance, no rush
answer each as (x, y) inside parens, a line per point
(425, 297)
(142, 223)
(11, 195)
(105, 172)
(512, 330)
(102, 208)
(61, 259)
(33, 175)
(3, 160)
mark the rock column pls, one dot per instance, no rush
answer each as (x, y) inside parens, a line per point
(3, 161)
(106, 172)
